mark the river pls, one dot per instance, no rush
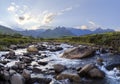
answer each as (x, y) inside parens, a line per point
(112, 76)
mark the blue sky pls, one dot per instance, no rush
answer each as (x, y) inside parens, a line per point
(83, 14)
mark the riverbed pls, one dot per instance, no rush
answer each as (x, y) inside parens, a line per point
(111, 76)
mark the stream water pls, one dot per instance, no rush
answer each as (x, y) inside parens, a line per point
(112, 76)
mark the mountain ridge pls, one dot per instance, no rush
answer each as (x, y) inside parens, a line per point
(54, 32)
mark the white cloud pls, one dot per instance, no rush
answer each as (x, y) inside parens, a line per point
(27, 19)
(11, 8)
(67, 9)
(48, 18)
(93, 25)
(83, 27)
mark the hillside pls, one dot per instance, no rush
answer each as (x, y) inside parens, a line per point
(6, 30)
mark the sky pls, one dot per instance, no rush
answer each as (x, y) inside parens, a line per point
(82, 14)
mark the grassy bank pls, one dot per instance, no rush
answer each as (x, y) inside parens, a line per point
(111, 39)
(6, 40)
(106, 39)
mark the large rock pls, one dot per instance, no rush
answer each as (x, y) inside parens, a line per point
(14, 47)
(54, 49)
(96, 73)
(26, 59)
(6, 75)
(32, 49)
(67, 75)
(90, 70)
(59, 68)
(78, 52)
(86, 69)
(26, 74)
(17, 79)
(11, 55)
(43, 63)
(36, 70)
(39, 79)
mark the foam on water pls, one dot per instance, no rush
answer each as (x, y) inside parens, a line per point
(12, 63)
(3, 53)
(56, 57)
(20, 51)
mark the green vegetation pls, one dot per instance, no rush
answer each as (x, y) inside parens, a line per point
(6, 40)
(107, 39)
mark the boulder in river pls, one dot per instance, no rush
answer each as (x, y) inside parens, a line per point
(11, 55)
(43, 63)
(36, 70)
(90, 70)
(14, 47)
(32, 49)
(6, 75)
(26, 59)
(54, 49)
(26, 74)
(78, 52)
(96, 73)
(17, 79)
(67, 75)
(39, 79)
(59, 68)
(86, 69)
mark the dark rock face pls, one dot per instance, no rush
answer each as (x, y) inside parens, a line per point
(59, 68)
(17, 79)
(78, 53)
(111, 66)
(42, 63)
(36, 70)
(40, 80)
(56, 49)
(26, 74)
(11, 55)
(26, 59)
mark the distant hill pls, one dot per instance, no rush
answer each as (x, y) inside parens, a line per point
(57, 32)
(100, 30)
(79, 32)
(34, 33)
(6, 30)
(62, 31)
(54, 32)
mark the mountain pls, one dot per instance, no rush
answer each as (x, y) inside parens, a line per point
(54, 32)
(6, 30)
(62, 31)
(57, 32)
(100, 30)
(79, 32)
(34, 33)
